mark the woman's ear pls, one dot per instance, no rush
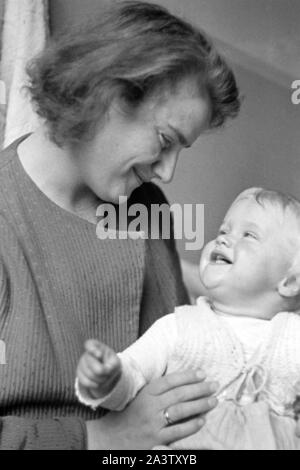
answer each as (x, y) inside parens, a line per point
(289, 286)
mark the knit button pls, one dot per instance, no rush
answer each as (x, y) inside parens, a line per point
(246, 400)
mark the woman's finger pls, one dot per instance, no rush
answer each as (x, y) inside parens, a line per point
(187, 393)
(161, 448)
(177, 379)
(298, 429)
(170, 434)
(183, 411)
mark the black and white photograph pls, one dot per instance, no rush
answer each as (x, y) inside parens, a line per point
(149, 227)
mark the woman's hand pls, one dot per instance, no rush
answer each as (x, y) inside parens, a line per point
(298, 429)
(185, 397)
(296, 407)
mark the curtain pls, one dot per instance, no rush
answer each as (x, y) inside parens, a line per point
(24, 34)
(2, 85)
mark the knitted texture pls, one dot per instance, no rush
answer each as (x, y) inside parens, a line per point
(266, 423)
(60, 285)
(194, 337)
(206, 341)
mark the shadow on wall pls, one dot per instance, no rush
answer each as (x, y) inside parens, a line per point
(260, 148)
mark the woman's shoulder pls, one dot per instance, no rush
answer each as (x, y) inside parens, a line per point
(10, 181)
(9, 153)
(6, 156)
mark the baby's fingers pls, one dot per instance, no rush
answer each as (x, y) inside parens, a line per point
(112, 361)
(86, 381)
(95, 348)
(104, 355)
(94, 369)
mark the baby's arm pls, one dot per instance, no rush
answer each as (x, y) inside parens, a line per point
(99, 370)
(114, 384)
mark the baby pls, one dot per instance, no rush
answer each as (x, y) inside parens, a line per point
(244, 334)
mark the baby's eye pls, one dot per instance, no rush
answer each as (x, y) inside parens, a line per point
(222, 231)
(165, 142)
(250, 235)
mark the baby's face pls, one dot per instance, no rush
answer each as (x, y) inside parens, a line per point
(251, 254)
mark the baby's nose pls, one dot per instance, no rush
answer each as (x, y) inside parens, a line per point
(224, 239)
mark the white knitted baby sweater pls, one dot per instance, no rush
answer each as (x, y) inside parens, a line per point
(195, 337)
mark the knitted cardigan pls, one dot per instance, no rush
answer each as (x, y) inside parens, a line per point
(60, 285)
(194, 337)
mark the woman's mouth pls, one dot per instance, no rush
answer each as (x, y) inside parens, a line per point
(138, 176)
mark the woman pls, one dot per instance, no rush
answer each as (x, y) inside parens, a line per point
(119, 101)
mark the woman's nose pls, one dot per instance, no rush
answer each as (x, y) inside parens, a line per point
(164, 169)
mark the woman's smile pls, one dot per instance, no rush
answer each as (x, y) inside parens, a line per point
(132, 142)
(140, 176)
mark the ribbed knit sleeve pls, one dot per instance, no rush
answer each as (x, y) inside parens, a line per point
(21, 433)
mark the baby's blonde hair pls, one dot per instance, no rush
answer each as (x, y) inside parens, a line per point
(287, 204)
(264, 197)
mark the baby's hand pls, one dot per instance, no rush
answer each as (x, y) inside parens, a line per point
(99, 369)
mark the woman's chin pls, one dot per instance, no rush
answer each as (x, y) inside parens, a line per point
(116, 194)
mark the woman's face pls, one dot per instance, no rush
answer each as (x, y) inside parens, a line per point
(129, 150)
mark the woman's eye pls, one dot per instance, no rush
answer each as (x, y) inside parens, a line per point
(165, 142)
(250, 235)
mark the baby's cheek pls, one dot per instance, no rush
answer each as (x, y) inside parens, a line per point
(247, 252)
(206, 252)
(205, 256)
(250, 261)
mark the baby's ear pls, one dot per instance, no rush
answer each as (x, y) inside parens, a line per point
(290, 285)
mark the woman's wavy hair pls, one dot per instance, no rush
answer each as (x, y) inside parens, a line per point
(134, 50)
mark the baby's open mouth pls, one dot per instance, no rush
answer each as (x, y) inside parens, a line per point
(220, 258)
